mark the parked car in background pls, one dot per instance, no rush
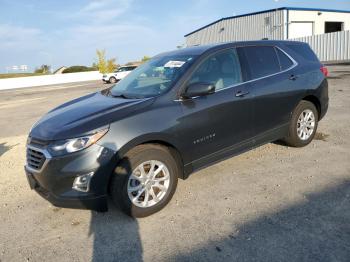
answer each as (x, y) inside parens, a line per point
(118, 74)
(177, 113)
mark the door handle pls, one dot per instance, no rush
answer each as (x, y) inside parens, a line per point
(241, 93)
(293, 77)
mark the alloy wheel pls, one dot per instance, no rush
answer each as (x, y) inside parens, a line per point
(306, 124)
(148, 183)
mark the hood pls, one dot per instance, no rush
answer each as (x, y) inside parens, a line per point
(85, 114)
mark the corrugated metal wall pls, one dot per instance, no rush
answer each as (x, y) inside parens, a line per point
(329, 47)
(252, 27)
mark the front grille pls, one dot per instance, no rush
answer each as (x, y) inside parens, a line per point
(35, 158)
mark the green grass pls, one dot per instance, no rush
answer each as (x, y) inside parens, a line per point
(19, 75)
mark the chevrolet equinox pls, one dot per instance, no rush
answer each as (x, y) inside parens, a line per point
(179, 112)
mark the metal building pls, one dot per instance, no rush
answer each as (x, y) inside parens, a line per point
(281, 24)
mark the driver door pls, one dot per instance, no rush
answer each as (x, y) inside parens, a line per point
(218, 125)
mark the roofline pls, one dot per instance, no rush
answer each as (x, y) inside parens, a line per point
(267, 11)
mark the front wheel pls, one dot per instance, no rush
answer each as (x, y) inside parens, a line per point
(145, 180)
(303, 125)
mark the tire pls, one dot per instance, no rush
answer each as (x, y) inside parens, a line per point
(129, 167)
(112, 80)
(300, 139)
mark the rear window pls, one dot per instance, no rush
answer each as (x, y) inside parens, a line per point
(285, 61)
(262, 60)
(305, 51)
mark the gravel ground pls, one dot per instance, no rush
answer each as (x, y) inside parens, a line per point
(274, 203)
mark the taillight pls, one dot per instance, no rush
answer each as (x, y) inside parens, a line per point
(324, 71)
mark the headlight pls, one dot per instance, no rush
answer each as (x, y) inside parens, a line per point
(76, 144)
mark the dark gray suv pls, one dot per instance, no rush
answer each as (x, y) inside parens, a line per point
(177, 113)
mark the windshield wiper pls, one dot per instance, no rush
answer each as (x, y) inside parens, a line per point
(109, 93)
(121, 95)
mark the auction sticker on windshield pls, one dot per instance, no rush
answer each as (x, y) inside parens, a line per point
(174, 63)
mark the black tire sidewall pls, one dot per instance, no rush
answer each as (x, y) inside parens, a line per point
(129, 163)
(293, 138)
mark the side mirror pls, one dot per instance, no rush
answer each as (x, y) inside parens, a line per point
(198, 89)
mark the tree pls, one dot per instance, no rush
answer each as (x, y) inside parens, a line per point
(103, 65)
(94, 65)
(111, 65)
(76, 69)
(101, 61)
(145, 59)
(43, 69)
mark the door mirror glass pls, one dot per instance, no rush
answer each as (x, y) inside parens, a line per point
(199, 89)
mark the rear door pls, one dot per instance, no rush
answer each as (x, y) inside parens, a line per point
(274, 88)
(216, 125)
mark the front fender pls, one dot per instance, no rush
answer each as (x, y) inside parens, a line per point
(158, 138)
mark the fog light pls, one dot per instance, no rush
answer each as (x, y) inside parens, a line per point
(82, 183)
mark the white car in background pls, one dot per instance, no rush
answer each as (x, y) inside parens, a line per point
(118, 74)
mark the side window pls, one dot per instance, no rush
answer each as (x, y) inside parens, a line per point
(262, 60)
(285, 61)
(222, 70)
(304, 50)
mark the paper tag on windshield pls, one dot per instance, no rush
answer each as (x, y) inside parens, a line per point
(174, 63)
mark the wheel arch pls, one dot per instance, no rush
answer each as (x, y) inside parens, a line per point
(314, 100)
(157, 139)
(174, 152)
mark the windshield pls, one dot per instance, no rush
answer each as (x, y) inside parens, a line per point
(153, 77)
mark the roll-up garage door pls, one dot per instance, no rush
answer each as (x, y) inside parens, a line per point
(300, 29)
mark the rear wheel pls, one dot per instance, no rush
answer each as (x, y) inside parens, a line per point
(303, 124)
(112, 80)
(145, 180)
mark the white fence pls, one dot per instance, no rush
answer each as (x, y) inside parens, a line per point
(19, 82)
(331, 47)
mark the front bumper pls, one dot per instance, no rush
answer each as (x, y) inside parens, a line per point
(94, 203)
(54, 181)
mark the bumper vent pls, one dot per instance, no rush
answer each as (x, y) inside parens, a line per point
(35, 158)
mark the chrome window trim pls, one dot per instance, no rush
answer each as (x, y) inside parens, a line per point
(47, 158)
(295, 63)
